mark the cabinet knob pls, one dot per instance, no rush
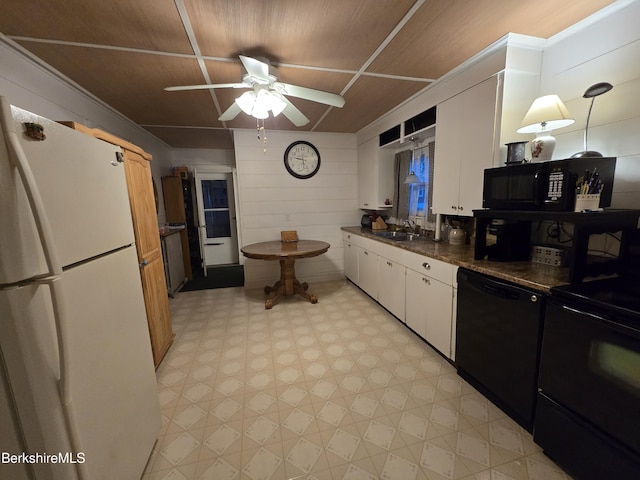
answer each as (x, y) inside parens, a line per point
(460, 208)
(454, 207)
(390, 264)
(143, 263)
(534, 298)
(366, 253)
(426, 265)
(426, 280)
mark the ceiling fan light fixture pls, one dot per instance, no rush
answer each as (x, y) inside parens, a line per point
(246, 102)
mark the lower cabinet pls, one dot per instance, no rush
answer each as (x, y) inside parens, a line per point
(391, 286)
(429, 304)
(351, 260)
(368, 272)
(418, 290)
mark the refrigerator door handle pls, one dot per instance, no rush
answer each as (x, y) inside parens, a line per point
(19, 159)
(64, 382)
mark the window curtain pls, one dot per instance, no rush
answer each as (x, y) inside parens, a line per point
(401, 167)
(431, 217)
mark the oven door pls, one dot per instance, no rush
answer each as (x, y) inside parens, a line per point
(590, 364)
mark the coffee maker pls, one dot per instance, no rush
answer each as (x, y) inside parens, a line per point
(513, 240)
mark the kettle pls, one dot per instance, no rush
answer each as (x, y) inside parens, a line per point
(457, 236)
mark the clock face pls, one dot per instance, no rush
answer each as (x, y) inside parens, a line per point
(302, 159)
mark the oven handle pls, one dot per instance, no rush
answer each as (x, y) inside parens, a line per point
(607, 320)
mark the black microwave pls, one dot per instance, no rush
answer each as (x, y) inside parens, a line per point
(548, 185)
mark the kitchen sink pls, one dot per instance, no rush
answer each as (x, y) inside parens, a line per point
(399, 236)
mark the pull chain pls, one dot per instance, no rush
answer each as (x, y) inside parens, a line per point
(262, 131)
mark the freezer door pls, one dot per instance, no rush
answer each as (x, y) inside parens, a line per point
(83, 189)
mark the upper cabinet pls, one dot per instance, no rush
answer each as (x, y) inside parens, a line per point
(479, 106)
(464, 148)
(375, 176)
(473, 128)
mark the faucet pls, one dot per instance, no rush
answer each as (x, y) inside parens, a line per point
(410, 224)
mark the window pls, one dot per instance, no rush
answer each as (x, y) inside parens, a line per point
(412, 200)
(418, 192)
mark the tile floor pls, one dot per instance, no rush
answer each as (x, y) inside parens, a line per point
(338, 390)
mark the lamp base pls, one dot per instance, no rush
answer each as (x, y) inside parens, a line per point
(587, 154)
(542, 147)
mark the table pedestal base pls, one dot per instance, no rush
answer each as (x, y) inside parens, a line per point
(287, 286)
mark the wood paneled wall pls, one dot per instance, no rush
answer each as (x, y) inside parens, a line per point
(605, 51)
(271, 200)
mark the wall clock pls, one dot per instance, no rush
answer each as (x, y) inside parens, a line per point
(302, 159)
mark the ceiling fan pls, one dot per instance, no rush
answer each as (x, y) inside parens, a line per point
(267, 94)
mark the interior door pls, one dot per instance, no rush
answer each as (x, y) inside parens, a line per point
(217, 219)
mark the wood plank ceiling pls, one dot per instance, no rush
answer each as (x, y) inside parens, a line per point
(376, 53)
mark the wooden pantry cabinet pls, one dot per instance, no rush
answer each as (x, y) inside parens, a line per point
(142, 200)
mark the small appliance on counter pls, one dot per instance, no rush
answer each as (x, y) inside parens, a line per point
(512, 240)
(366, 220)
(547, 185)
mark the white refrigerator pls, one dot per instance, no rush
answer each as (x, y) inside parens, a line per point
(78, 392)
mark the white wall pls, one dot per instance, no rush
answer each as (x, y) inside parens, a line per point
(607, 50)
(31, 85)
(271, 200)
(193, 157)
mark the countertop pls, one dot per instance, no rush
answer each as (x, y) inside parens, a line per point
(527, 274)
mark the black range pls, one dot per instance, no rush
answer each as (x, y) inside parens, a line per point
(588, 407)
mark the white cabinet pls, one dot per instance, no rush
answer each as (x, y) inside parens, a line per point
(465, 145)
(375, 175)
(351, 260)
(429, 310)
(368, 272)
(391, 286)
(429, 300)
(418, 290)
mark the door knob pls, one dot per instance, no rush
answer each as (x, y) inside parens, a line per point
(143, 263)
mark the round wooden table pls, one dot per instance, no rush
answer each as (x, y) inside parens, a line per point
(286, 253)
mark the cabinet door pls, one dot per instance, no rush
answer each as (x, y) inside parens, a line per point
(439, 315)
(145, 227)
(351, 261)
(368, 175)
(391, 285)
(429, 310)
(465, 139)
(375, 175)
(368, 272)
(481, 131)
(416, 302)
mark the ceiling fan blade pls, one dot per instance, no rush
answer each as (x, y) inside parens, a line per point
(204, 87)
(230, 113)
(256, 68)
(296, 116)
(309, 94)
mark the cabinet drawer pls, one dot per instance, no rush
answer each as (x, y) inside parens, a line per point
(437, 269)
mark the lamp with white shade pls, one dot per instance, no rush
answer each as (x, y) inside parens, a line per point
(545, 114)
